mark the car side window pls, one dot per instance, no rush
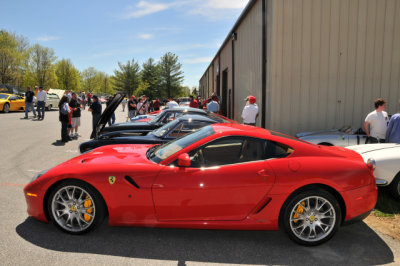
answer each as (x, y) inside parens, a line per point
(232, 150)
(170, 116)
(13, 98)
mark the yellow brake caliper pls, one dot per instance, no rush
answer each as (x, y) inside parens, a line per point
(300, 210)
(88, 203)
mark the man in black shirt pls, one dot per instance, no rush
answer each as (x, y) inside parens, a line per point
(132, 107)
(76, 114)
(29, 96)
(95, 108)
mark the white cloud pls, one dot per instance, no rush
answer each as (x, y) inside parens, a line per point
(198, 60)
(144, 8)
(146, 36)
(47, 38)
(226, 4)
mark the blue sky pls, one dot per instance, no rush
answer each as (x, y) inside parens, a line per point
(102, 33)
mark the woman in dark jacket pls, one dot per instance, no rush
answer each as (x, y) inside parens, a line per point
(64, 119)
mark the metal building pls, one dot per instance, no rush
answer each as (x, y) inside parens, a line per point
(312, 64)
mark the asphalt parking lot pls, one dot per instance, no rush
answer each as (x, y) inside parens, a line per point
(29, 146)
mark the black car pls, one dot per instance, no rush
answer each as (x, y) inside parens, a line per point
(170, 131)
(139, 128)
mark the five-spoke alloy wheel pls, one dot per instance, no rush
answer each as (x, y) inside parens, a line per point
(75, 207)
(312, 217)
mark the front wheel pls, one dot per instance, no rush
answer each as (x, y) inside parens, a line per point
(6, 108)
(312, 217)
(49, 107)
(395, 187)
(75, 207)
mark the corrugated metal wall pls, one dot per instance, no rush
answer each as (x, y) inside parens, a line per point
(248, 60)
(330, 60)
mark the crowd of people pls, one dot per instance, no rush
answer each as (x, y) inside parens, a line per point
(378, 127)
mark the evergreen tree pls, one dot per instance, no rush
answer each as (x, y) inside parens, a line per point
(171, 75)
(151, 76)
(127, 77)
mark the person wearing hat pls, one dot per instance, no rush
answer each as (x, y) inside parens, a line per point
(95, 108)
(250, 111)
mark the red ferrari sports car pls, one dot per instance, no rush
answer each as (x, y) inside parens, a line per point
(223, 176)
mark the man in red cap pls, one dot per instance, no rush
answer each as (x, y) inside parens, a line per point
(250, 111)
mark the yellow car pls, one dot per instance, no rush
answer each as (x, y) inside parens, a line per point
(11, 102)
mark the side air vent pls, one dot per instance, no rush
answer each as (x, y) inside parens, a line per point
(130, 180)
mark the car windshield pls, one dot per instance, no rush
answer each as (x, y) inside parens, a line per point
(165, 128)
(3, 96)
(156, 118)
(218, 118)
(160, 153)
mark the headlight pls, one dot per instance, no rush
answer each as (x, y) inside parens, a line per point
(371, 164)
(39, 174)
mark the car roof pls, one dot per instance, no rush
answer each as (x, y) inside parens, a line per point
(187, 109)
(197, 118)
(240, 129)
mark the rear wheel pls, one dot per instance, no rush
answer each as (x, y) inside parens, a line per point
(312, 217)
(75, 207)
(395, 187)
(6, 108)
(49, 107)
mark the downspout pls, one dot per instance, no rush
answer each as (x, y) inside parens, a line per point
(234, 37)
(264, 64)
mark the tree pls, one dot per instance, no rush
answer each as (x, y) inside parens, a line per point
(90, 81)
(41, 65)
(151, 76)
(105, 83)
(10, 57)
(67, 75)
(171, 75)
(127, 77)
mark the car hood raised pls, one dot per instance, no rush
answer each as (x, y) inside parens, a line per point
(106, 115)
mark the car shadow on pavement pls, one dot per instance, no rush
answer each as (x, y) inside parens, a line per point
(355, 244)
(58, 143)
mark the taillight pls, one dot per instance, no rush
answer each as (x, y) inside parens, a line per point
(371, 164)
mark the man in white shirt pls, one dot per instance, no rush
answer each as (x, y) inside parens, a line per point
(41, 102)
(213, 106)
(376, 123)
(250, 111)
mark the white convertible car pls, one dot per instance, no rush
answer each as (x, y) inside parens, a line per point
(386, 158)
(343, 137)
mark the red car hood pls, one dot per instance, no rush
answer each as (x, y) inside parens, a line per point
(114, 154)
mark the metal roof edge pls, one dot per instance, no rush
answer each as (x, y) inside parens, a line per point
(244, 13)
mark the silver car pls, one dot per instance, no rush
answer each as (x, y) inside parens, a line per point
(345, 136)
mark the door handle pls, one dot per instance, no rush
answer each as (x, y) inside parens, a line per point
(262, 173)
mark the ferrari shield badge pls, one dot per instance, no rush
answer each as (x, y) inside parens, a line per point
(111, 179)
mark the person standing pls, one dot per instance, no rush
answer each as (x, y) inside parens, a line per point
(112, 118)
(76, 114)
(193, 102)
(143, 105)
(132, 107)
(393, 129)
(213, 106)
(124, 101)
(63, 117)
(95, 108)
(29, 99)
(250, 111)
(375, 124)
(83, 100)
(156, 104)
(41, 103)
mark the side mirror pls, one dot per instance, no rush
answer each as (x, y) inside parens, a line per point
(184, 160)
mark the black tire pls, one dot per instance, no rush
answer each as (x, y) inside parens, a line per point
(49, 107)
(6, 108)
(325, 144)
(308, 225)
(395, 187)
(77, 202)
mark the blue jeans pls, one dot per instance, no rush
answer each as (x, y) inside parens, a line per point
(27, 107)
(132, 114)
(112, 119)
(40, 109)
